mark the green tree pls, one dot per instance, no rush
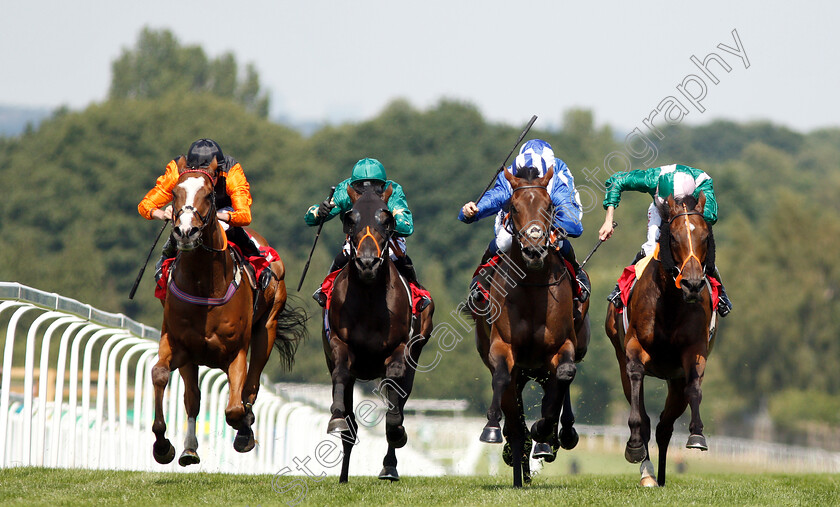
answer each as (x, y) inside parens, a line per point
(160, 65)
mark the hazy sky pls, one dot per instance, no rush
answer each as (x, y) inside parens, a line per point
(332, 61)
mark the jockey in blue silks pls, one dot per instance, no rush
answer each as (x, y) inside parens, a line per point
(537, 154)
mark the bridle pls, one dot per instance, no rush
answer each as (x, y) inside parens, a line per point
(205, 220)
(381, 251)
(558, 233)
(691, 254)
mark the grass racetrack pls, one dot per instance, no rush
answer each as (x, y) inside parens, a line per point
(39, 486)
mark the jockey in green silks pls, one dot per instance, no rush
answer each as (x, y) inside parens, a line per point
(660, 182)
(368, 172)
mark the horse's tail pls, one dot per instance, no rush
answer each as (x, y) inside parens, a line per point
(291, 330)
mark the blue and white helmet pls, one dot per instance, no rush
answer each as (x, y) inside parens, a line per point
(535, 153)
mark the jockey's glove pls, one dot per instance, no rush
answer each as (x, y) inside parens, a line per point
(324, 209)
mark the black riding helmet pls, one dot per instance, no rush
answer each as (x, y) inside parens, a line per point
(202, 153)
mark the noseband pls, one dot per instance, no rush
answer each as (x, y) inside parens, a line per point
(691, 254)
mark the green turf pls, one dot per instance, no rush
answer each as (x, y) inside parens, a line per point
(37, 486)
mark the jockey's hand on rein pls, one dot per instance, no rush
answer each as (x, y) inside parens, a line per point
(324, 209)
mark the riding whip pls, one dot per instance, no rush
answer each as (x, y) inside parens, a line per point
(317, 235)
(615, 225)
(143, 269)
(502, 168)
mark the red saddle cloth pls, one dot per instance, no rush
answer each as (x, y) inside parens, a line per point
(417, 293)
(628, 279)
(258, 262)
(495, 260)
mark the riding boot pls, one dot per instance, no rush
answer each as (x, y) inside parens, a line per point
(615, 295)
(240, 238)
(339, 262)
(480, 284)
(406, 269)
(169, 250)
(724, 304)
(582, 278)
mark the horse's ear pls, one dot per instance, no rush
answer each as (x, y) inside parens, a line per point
(701, 203)
(510, 177)
(351, 192)
(181, 163)
(543, 182)
(672, 205)
(387, 193)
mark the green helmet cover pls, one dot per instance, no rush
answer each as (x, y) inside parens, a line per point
(368, 169)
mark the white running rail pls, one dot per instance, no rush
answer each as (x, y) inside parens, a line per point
(97, 411)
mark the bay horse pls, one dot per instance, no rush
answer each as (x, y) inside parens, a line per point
(668, 332)
(371, 332)
(537, 333)
(212, 317)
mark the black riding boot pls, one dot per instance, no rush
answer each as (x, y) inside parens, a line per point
(240, 238)
(580, 275)
(724, 304)
(169, 250)
(406, 269)
(339, 262)
(615, 295)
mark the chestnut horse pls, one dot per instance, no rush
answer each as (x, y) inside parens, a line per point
(372, 333)
(668, 333)
(534, 334)
(211, 318)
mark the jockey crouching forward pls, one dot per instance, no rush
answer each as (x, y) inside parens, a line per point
(660, 182)
(370, 172)
(232, 194)
(536, 154)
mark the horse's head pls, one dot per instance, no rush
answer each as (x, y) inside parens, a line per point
(370, 226)
(193, 203)
(531, 214)
(686, 244)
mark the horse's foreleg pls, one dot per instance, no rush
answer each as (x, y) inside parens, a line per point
(262, 339)
(695, 367)
(192, 402)
(349, 436)
(395, 388)
(342, 381)
(238, 414)
(675, 405)
(566, 371)
(639, 422)
(162, 450)
(501, 359)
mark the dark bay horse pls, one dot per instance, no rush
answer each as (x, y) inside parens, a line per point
(371, 332)
(668, 333)
(211, 318)
(534, 334)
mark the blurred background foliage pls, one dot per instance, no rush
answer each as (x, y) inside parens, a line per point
(70, 223)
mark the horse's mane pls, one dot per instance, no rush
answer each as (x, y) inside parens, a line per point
(528, 173)
(665, 256)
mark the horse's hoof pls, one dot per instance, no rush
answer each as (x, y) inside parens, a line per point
(189, 457)
(541, 431)
(389, 474)
(697, 442)
(543, 451)
(648, 482)
(491, 435)
(648, 476)
(399, 440)
(244, 442)
(337, 424)
(635, 454)
(568, 438)
(166, 455)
